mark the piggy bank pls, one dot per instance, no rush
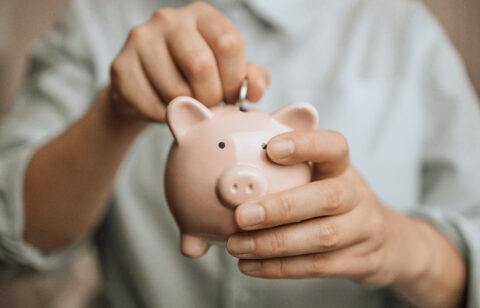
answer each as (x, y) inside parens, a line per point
(218, 161)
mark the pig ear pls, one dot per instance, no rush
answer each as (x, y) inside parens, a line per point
(298, 116)
(183, 113)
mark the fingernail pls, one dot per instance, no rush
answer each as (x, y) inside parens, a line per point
(282, 148)
(250, 215)
(241, 244)
(249, 266)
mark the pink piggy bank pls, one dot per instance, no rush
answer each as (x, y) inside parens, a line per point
(218, 161)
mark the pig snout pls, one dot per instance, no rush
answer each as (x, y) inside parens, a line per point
(239, 184)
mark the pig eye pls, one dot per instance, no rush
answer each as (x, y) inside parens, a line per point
(264, 146)
(221, 144)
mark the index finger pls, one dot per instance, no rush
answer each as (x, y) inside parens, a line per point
(228, 45)
(316, 199)
(328, 150)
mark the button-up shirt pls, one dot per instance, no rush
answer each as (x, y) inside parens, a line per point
(383, 73)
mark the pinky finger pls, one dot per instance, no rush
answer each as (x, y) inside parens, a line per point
(135, 89)
(258, 80)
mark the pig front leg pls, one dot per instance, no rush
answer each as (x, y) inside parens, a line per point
(193, 246)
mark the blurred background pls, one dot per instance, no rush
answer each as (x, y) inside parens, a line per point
(23, 20)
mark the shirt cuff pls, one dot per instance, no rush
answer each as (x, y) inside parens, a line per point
(17, 255)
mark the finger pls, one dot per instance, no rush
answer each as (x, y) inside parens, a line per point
(338, 263)
(315, 199)
(197, 63)
(161, 70)
(313, 236)
(327, 149)
(132, 85)
(228, 45)
(258, 80)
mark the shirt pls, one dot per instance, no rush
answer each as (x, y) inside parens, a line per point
(383, 73)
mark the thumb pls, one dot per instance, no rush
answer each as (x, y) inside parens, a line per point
(327, 150)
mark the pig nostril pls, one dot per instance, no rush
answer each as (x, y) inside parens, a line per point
(240, 184)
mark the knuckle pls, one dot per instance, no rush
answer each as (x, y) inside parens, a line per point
(378, 224)
(333, 196)
(375, 279)
(342, 144)
(379, 233)
(367, 280)
(212, 98)
(279, 267)
(116, 69)
(229, 43)
(318, 265)
(199, 5)
(177, 90)
(199, 66)
(282, 267)
(283, 207)
(138, 33)
(164, 15)
(366, 194)
(153, 111)
(277, 243)
(327, 236)
(371, 265)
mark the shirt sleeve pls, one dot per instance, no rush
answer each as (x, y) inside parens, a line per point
(450, 192)
(58, 88)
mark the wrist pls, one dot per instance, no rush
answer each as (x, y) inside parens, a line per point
(414, 251)
(432, 272)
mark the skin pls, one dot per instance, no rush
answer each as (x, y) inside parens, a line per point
(193, 50)
(335, 226)
(317, 230)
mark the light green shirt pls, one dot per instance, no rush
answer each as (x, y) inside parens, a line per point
(381, 72)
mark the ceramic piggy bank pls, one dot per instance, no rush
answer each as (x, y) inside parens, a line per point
(218, 161)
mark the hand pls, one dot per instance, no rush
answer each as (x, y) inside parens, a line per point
(335, 226)
(193, 51)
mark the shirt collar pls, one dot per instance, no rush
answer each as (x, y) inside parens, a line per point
(287, 15)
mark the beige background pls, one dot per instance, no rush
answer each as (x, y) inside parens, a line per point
(21, 20)
(462, 20)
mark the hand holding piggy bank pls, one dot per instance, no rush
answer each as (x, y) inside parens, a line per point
(218, 161)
